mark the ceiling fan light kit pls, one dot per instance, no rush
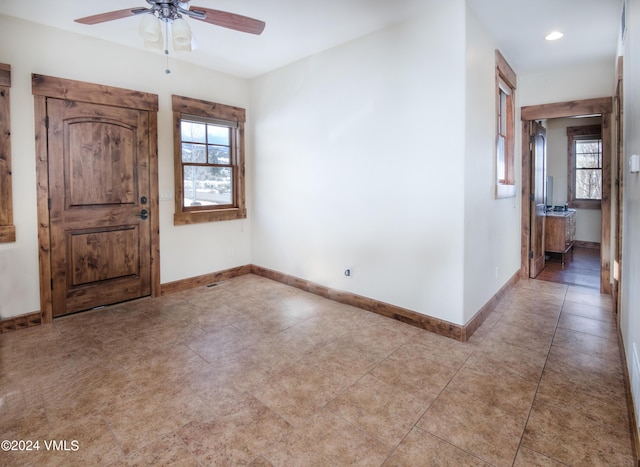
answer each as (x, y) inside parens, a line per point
(150, 31)
(181, 33)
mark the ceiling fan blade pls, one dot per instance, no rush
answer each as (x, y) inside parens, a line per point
(230, 20)
(110, 16)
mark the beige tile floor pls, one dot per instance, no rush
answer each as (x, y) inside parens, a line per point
(252, 372)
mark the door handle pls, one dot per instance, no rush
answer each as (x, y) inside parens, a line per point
(143, 214)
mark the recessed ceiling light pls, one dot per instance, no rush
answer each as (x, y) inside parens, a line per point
(554, 36)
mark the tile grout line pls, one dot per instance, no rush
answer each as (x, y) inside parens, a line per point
(524, 429)
(415, 425)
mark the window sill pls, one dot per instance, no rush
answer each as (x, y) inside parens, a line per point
(197, 217)
(505, 191)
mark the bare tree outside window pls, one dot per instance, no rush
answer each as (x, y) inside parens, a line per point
(585, 166)
(588, 169)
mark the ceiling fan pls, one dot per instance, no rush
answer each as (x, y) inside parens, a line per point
(171, 11)
(168, 10)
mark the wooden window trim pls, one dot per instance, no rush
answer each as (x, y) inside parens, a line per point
(199, 108)
(7, 229)
(572, 134)
(506, 80)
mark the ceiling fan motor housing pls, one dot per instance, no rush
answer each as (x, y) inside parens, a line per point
(169, 11)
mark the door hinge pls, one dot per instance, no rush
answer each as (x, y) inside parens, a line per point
(530, 254)
(46, 122)
(51, 284)
(49, 203)
(532, 197)
(532, 139)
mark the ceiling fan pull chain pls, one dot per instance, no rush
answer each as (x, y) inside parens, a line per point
(166, 45)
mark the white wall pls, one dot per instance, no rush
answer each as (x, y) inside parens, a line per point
(588, 221)
(492, 226)
(630, 292)
(360, 163)
(186, 251)
(585, 81)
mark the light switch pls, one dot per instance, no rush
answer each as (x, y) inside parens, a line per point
(634, 163)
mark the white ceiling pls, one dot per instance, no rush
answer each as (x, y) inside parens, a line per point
(298, 28)
(591, 29)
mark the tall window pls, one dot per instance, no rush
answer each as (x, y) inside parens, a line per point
(208, 161)
(585, 166)
(7, 229)
(505, 128)
(504, 114)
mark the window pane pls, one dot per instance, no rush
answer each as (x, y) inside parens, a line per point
(205, 186)
(589, 154)
(588, 184)
(219, 155)
(588, 161)
(218, 135)
(502, 128)
(501, 162)
(194, 153)
(193, 132)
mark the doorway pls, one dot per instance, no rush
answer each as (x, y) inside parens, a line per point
(582, 268)
(97, 199)
(600, 106)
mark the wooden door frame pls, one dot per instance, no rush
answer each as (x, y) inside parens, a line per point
(619, 184)
(60, 88)
(599, 106)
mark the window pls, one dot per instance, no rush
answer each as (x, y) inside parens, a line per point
(585, 166)
(208, 161)
(504, 93)
(207, 171)
(7, 229)
(505, 128)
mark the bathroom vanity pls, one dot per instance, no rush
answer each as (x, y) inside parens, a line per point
(560, 232)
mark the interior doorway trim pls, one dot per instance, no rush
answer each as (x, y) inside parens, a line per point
(46, 86)
(599, 106)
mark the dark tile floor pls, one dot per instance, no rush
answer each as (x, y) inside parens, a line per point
(253, 372)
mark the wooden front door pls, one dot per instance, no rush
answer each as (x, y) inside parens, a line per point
(538, 171)
(99, 191)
